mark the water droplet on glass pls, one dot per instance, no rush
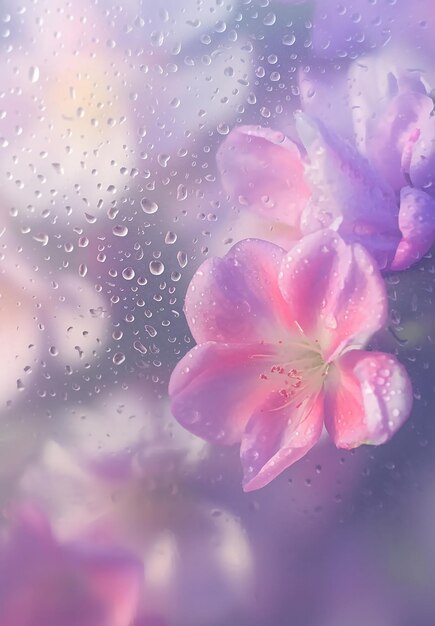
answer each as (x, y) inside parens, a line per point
(139, 347)
(41, 238)
(269, 19)
(223, 129)
(170, 237)
(182, 259)
(34, 74)
(289, 40)
(163, 159)
(128, 273)
(149, 206)
(157, 268)
(181, 192)
(118, 358)
(120, 230)
(58, 168)
(150, 330)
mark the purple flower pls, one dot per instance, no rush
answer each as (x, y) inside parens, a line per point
(373, 182)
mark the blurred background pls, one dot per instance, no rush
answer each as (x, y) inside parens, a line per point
(111, 114)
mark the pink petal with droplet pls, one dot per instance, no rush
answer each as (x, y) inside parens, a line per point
(216, 387)
(368, 398)
(237, 298)
(329, 286)
(278, 434)
(417, 223)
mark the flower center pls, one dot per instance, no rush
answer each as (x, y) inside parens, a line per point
(297, 380)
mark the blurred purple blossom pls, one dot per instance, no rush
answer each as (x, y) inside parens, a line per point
(374, 185)
(47, 583)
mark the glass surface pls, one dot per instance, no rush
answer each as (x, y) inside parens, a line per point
(112, 119)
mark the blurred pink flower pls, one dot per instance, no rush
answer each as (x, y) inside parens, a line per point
(44, 583)
(125, 475)
(278, 356)
(374, 185)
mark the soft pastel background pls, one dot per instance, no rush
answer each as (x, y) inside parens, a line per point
(111, 114)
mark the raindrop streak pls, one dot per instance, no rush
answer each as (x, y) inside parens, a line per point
(34, 74)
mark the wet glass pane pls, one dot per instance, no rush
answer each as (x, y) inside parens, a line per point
(216, 305)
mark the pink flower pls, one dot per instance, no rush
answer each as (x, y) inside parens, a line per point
(44, 583)
(374, 185)
(279, 355)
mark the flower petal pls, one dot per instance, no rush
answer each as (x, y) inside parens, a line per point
(116, 581)
(347, 194)
(417, 223)
(369, 396)
(422, 169)
(237, 298)
(216, 387)
(277, 435)
(388, 137)
(329, 286)
(263, 169)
